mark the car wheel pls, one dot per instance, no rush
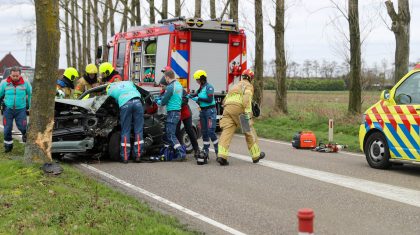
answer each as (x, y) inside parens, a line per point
(186, 141)
(114, 146)
(377, 151)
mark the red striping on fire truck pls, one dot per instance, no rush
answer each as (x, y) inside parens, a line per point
(218, 47)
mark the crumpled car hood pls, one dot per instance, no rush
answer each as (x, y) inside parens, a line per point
(91, 104)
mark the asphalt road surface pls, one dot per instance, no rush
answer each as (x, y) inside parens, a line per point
(347, 196)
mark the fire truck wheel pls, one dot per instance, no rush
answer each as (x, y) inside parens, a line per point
(114, 146)
(186, 141)
(377, 151)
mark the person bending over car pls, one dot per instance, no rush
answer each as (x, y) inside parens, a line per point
(131, 113)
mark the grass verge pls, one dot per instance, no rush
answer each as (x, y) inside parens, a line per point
(72, 203)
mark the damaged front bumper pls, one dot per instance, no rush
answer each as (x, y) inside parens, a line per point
(79, 146)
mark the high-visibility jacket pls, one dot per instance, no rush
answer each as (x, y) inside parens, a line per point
(123, 92)
(66, 86)
(83, 85)
(241, 94)
(16, 94)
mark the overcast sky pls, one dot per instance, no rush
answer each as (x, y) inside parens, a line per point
(314, 29)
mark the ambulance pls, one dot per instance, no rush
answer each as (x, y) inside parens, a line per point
(186, 45)
(390, 132)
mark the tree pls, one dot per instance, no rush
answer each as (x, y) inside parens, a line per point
(234, 8)
(259, 53)
(164, 9)
(73, 34)
(213, 9)
(281, 92)
(355, 96)
(138, 13)
(401, 28)
(38, 146)
(79, 41)
(177, 8)
(152, 11)
(197, 12)
(89, 32)
(67, 30)
(111, 18)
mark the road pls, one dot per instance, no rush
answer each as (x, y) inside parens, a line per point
(347, 196)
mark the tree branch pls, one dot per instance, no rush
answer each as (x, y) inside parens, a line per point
(391, 10)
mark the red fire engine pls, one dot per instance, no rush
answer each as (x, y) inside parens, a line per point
(218, 47)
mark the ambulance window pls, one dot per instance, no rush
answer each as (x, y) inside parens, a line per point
(411, 88)
(121, 57)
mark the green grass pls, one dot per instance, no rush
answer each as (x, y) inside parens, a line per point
(311, 110)
(71, 203)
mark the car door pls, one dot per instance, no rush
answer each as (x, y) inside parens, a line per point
(406, 118)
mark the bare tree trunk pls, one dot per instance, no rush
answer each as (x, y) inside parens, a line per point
(259, 53)
(104, 30)
(84, 38)
(96, 35)
(213, 9)
(164, 9)
(355, 96)
(111, 18)
(234, 8)
(67, 30)
(133, 13)
(152, 11)
(124, 20)
(197, 12)
(38, 146)
(138, 14)
(89, 31)
(177, 8)
(401, 28)
(73, 35)
(225, 9)
(281, 92)
(79, 41)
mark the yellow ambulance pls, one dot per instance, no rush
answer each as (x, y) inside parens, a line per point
(390, 129)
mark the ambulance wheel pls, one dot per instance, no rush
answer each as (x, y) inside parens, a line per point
(114, 146)
(377, 151)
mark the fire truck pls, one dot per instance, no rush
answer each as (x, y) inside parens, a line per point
(186, 45)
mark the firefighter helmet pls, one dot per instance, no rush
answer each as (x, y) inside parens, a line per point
(199, 73)
(91, 69)
(248, 73)
(106, 68)
(71, 73)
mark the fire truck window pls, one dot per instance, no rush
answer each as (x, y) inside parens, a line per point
(121, 57)
(411, 88)
(110, 54)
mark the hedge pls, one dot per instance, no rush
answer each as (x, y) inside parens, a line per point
(308, 84)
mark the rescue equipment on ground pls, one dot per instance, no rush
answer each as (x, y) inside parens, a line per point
(304, 139)
(168, 153)
(329, 148)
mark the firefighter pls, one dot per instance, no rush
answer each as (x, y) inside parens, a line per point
(172, 98)
(237, 102)
(108, 73)
(88, 81)
(131, 114)
(65, 85)
(208, 113)
(17, 96)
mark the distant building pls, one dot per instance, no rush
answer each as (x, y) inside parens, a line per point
(8, 61)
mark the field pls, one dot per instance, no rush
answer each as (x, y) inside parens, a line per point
(310, 110)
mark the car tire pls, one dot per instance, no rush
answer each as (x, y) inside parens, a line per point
(377, 151)
(186, 141)
(114, 146)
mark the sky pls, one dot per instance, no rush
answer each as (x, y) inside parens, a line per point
(314, 29)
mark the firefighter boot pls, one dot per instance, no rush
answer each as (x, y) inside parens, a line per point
(222, 161)
(262, 155)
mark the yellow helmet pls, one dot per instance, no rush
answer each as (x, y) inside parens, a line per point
(106, 68)
(71, 73)
(91, 69)
(199, 73)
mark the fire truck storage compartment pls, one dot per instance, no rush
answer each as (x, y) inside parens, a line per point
(209, 52)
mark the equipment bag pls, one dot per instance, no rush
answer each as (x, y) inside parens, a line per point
(304, 139)
(168, 154)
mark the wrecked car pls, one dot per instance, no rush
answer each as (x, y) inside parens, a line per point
(90, 126)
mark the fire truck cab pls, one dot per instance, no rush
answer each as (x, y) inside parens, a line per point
(186, 45)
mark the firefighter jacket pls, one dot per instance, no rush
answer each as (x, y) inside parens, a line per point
(66, 86)
(241, 94)
(123, 92)
(206, 96)
(17, 95)
(85, 83)
(113, 77)
(173, 96)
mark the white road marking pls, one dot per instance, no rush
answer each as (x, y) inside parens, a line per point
(290, 144)
(165, 201)
(391, 192)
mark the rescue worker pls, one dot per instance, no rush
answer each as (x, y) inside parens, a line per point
(131, 114)
(88, 81)
(108, 73)
(17, 95)
(172, 98)
(65, 85)
(237, 102)
(208, 113)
